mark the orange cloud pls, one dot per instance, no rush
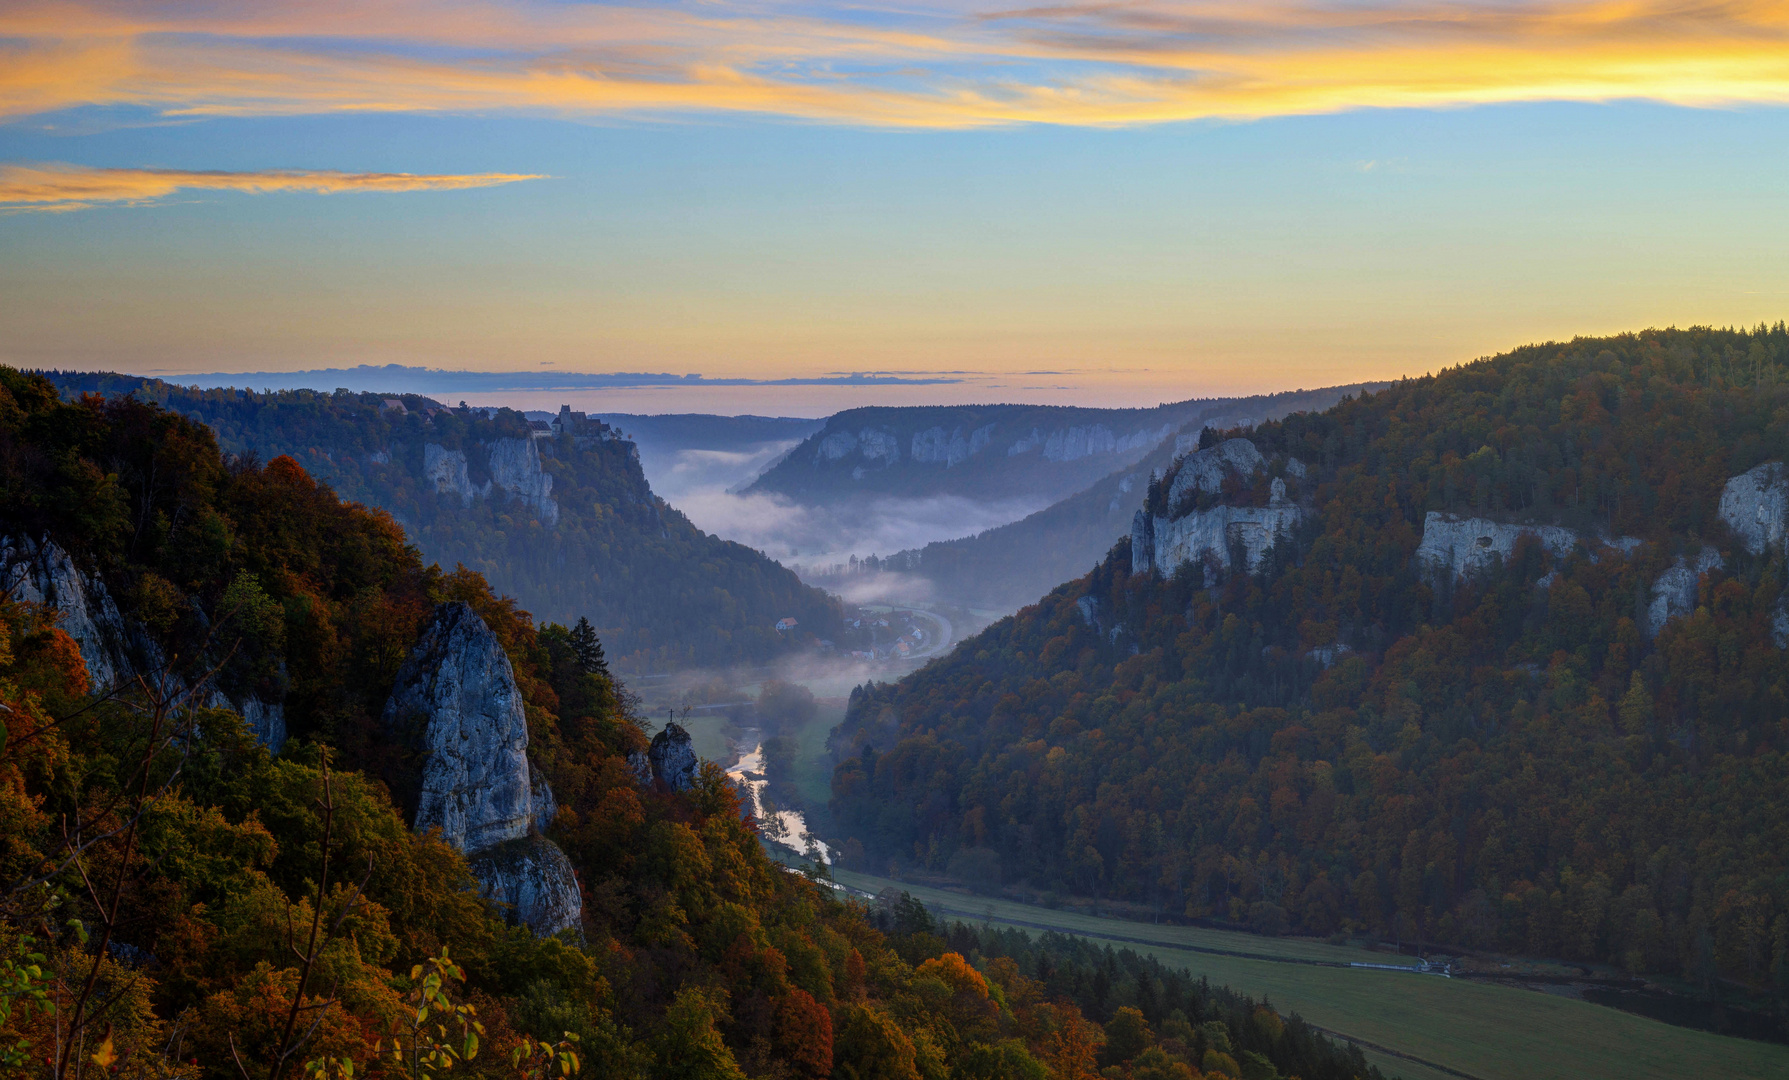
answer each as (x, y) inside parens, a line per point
(55, 188)
(1096, 64)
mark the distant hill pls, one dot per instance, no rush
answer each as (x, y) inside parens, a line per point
(982, 452)
(1005, 568)
(566, 524)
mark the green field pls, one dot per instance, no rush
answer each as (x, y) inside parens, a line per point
(1481, 1030)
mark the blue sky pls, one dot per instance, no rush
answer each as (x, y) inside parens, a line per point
(1140, 261)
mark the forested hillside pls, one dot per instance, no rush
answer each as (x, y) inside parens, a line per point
(1493, 658)
(566, 524)
(175, 901)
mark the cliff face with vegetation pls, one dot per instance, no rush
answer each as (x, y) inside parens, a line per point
(566, 524)
(1509, 673)
(456, 783)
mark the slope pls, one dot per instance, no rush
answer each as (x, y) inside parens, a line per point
(566, 523)
(159, 868)
(1490, 659)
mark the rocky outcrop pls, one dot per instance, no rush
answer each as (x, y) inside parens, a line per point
(446, 470)
(114, 649)
(1223, 537)
(1082, 441)
(1755, 507)
(1204, 471)
(515, 468)
(872, 444)
(1142, 542)
(1674, 593)
(476, 783)
(673, 761)
(1457, 547)
(458, 691)
(934, 446)
(532, 878)
(540, 794)
(267, 722)
(41, 572)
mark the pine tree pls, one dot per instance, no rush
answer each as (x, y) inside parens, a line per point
(590, 650)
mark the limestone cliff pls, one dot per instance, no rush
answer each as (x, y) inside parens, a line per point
(514, 466)
(476, 784)
(1204, 471)
(1222, 536)
(1674, 593)
(478, 787)
(1755, 506)
(534, 879)
(115, 649)
(446, 470)
(41, 572)
(1459, 547)
(673, 761)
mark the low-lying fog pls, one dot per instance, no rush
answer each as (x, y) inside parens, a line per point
(704, 484)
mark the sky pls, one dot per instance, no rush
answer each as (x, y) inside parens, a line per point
(814, 206)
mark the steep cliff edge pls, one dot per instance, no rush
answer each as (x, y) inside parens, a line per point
(115, 649)
(458, 691)
(1202, 511)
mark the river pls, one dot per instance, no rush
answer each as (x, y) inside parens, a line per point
(786, 828)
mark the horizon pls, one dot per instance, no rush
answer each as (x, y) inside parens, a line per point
(1111, 206)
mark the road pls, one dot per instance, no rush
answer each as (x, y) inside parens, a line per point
(944, 634)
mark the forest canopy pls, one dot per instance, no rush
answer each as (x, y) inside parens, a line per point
(1341, 741)
(662, 592)
(176, 901)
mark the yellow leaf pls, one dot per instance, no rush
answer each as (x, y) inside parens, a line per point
(105, 1057)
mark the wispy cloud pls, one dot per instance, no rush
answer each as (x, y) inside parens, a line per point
(396, 378)
(40, 187)
(909, 65)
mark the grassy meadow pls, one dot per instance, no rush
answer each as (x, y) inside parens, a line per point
(1481, 1030)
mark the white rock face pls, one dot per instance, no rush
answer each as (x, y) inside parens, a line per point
(540, 793)
(1461, 547)
(446, 469)
(1212, 535)
(878, 446)
(535, 880)
(114, 649)
(478, 786)
(1779, 624)
(1755, 506)
(1216, 534)
(1205, 470)
(268, 722)
(1072, 444)
(672, 760)
(42, 573)
(476, 782)
(1674, 593)
(516, 468)
(934, 447)
(835, 446)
